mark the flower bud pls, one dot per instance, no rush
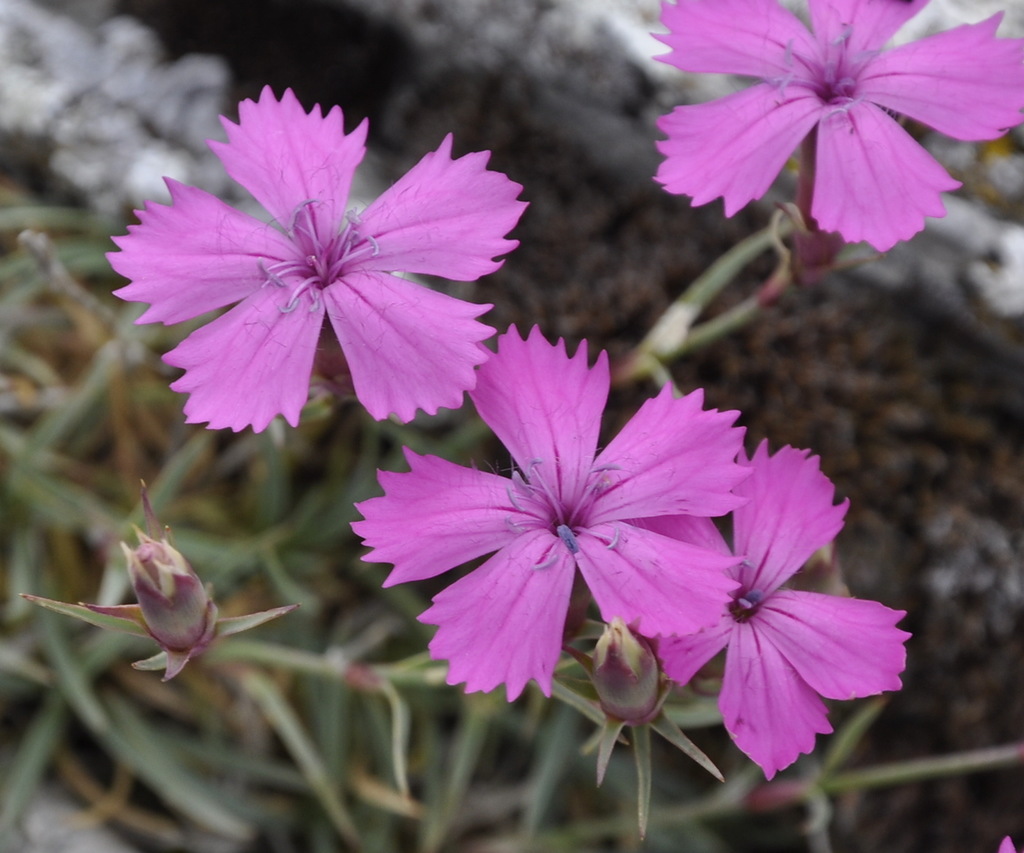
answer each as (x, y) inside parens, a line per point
(627, 675)
(175, 605)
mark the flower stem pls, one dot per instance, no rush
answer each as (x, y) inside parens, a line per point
(721, 325)
(671, 336)
(417, 670)
(920, 769)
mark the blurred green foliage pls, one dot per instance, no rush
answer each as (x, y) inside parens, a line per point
(328, 729)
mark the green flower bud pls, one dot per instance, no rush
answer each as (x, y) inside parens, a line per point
(627, 675)
(175, 605)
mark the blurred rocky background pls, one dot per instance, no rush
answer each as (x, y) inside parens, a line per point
(906, 375)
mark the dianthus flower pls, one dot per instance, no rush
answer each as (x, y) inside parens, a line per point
(872, 181)
(566, 508)
(785, 648)
(407, 347)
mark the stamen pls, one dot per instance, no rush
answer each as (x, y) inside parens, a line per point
(272, 276)
(844, 36)
(568, 537)
(750, 599)
(550, 561)
(512, 497)
(302, 221)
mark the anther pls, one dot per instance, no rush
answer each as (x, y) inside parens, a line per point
(568, 537)
(750, 599)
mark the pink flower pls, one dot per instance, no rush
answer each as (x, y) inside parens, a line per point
(873, 181)
(1007, 846)
(407, 346)
(566, 508)
(784, 647)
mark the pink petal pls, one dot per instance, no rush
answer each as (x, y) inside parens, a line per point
(874, 182)
(771, 713)
(671, 458)
(444, 217)
(683, 656)
(502, 623)
(545, 407)
(1007, 846)
(752, 37)
(408, 347)
(193, 256)
(863, 25)
(842, 647)
(248, 365)
(285, 157)
(688, 528)
(790, 515)
(669, 587)
(436, 516)
(964, 82)
(735, 146)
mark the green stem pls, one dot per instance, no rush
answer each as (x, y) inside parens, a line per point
(713, 281)
(671, 334)
(921, 769)
(416, 671)
(721, 325)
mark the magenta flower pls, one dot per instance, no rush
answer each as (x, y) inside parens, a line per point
(566, 508)
(785, 648)
(873, 181)
(1007, 846)
(407, 347)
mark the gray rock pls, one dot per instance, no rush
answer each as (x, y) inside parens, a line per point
(99, 111)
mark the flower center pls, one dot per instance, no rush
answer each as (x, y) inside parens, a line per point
(746, 604)
(320, 261)
(832, 73)
(541, 505)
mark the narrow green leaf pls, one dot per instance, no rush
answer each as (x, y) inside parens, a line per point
(24, 771)
(135, 742)
(289, 728)
(73, 677)
(555, 754)
(842, 744)
(465, 754)
(61, 422)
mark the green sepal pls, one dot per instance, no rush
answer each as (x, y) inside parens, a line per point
(120, 617)
(157, 662)
(610, 733)
(228, 625)
(642, 753)
(674, 735)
